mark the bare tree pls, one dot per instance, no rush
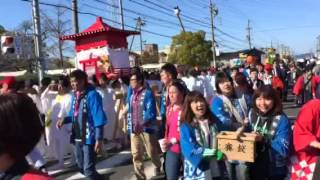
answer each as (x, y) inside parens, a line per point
(57, 26)
(52, 27)
(25, 27)
(25, 36)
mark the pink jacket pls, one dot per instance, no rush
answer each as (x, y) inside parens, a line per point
(172, 127)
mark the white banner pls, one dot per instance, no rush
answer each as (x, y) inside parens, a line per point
(119, 58)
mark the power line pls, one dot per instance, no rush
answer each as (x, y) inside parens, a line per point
(133, 12)
(104, 10)
(151, 17)
(230, 36)
(138, 13)
(196, 4)
(166, 21)
(145, 15)
(200, 2)
(286, 28)
(143, 30)
(134, 18)
(157, 10)
(238, 12)
(193, 7)
(193, 21)
(226, 46)
(228, 41)
(95, 15)
(206, 25)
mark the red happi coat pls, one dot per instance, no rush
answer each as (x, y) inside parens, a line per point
(306, 129)
(299, 86)
(277, 83)
(315, 84)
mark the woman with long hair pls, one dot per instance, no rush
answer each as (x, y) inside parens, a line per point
(198, 132)
(274, 135)
(171, 143)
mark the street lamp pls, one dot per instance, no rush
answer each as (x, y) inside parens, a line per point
(177, 13)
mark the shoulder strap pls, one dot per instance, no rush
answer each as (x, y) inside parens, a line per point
(243, 105)
(307, 82)
(232, 109)
(213, 134)
(198, 135)
(253, 118)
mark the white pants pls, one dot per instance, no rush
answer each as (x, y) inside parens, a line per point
(59, 140)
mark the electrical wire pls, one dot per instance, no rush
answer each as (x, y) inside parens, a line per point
(95, 15)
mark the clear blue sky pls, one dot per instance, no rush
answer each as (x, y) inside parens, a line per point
(294, 23)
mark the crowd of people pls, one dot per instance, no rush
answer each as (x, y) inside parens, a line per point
(174, 114)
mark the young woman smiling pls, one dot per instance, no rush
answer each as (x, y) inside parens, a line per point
(274, 135)
(198, 139)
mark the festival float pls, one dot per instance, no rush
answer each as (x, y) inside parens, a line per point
(102, 49)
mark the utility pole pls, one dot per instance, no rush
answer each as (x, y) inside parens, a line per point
(37, 38)
(75, 16)
(121, 14)
(249, 34)
(213, 14)
(136, 28)
(140, 23)
(177, 12)
(318, 46)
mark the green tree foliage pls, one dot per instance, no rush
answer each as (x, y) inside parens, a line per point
(190, 48)
(2, 30)
(57, 64)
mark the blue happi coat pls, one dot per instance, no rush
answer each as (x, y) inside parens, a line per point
(195, 165)
(96, 117)
(277, 140)
(219, 109)
(148, 111)
(163, 102)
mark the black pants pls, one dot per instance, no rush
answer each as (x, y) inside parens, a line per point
(259, 170)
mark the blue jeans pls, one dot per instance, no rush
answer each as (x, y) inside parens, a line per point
(86, 160)
(173, 163)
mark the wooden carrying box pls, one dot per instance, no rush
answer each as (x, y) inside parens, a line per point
(234, 149)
